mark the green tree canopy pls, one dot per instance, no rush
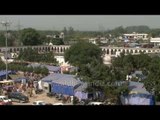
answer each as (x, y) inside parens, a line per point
(83, 53)
(10, 39)
(30, 36)
(138, 29)
(155, 32)
(57, 41)
(2, 40)
(33, 56)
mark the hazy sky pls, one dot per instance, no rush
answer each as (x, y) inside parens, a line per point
(80, 22)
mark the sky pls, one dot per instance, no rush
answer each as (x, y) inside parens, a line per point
(80, 22)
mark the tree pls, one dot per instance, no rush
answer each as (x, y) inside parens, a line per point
(65, 31)
(152, 83)
(30, 36)
(155, 33)
(44, 39)
(44, 71)
(149, 66)
(10, 41)
(2, 40)
(70, 30)
(138, 29)
(83, 53)
(33, 56)
(118, 31)
(58, 41)
(2, 65)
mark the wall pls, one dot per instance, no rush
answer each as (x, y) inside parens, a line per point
(62, 89)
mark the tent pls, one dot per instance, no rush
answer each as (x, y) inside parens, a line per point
(138, 95)
(62, 83)
(3, 74)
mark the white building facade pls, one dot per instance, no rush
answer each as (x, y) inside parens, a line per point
(136, 36)
(156, 41)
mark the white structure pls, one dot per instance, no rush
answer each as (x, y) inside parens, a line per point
(156, 41)
(14, 55)
(8, 60)
(60, 59)
(92, 40)
(64, 65)
(101, 39)
(136, 36)
(5, 99)
(39, 102)
(61, 35)
(50, 44)
(118, 53)
(107, 59)
(58, 103)
(95, 103)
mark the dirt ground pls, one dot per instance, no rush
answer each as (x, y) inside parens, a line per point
(42, 97)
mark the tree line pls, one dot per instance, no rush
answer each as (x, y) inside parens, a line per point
(33, 56)
(30, 36)
(23, 67)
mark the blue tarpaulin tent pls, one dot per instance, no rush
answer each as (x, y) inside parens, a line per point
(3, 74)
(21, 80)
(62, 83)
(138, 95)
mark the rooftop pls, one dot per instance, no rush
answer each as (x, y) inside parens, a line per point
(137, 87)
(3, 72)
(49, 67)
(63, 79)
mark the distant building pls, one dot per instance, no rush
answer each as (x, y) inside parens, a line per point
(136, 36)
(156, 41)
(98, 39)
(92, 40)
(60, 59)
(61, 35)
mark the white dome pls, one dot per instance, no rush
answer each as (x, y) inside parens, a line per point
(50, 43)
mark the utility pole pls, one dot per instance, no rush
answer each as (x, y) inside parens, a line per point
(6, 24)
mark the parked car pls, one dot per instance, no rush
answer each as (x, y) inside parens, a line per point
(39, 102)
(58, 104)
(14, 96)
(2, 102)
(6, 100)
(95, 103)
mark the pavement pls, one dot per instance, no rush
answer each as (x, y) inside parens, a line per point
(41, 97)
